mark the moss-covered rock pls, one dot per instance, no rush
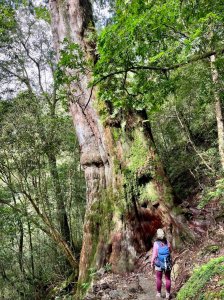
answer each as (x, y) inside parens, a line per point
(210, 249)
(195, 288)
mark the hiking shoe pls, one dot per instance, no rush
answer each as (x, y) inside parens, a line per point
(167, 295)
(158, 295)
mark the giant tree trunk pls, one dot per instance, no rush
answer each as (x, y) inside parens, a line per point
(122, 169)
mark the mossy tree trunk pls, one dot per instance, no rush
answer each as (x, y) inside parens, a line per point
(122, 168)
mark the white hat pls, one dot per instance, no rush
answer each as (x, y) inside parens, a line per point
(160, 234)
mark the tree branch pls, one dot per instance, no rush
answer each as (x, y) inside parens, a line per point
(192, 59)
(176, 31)
(16, 209)
(37, 63)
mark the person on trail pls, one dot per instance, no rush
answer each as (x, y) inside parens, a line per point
(161, 261)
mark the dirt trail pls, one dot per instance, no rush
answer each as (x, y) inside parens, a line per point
(139, 284)
(131, 286)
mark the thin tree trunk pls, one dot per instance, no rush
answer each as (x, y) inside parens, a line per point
(31, 250)
(61, 210)
(54, 233)
(218, 109)
(21, 240)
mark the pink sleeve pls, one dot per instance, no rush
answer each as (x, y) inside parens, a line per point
(154, 253)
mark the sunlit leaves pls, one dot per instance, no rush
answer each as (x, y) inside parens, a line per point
(7, 23)
(42, 13)
(71, 63)
(153, 33)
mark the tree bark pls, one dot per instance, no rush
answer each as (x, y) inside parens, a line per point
(117, 160)
(218, 109)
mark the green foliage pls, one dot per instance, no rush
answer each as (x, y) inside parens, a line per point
(185, 130)
(193, 289)
(148, 192)
(216, 192)
(29, 135)
(41, 182)
(136, 50)
(108, 267)
(7, 23)
(42, 13)
(86, 285)
(146, 34)
(71, 63)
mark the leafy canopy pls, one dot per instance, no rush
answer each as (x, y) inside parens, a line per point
(148, 40)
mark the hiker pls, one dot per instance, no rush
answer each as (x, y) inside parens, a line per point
(161, 261)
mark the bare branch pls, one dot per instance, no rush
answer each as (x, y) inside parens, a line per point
(37, 63)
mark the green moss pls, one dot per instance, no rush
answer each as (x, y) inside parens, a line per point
(177, 210)
(138, 152)
(102, 211)
(57, 290)
(167, 194)
(193, 289)
(100, 106)
(116, 132)
(101, 218)
(116, 164)
(149, 192)
(210, 249)
(214, 295)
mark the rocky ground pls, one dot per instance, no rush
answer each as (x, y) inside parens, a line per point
(136, 285)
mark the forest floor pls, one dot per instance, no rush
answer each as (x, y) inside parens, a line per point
(140, 284)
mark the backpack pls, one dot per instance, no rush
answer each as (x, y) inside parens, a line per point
(163, 259)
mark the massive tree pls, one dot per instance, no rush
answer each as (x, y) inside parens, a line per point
(118, 155)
